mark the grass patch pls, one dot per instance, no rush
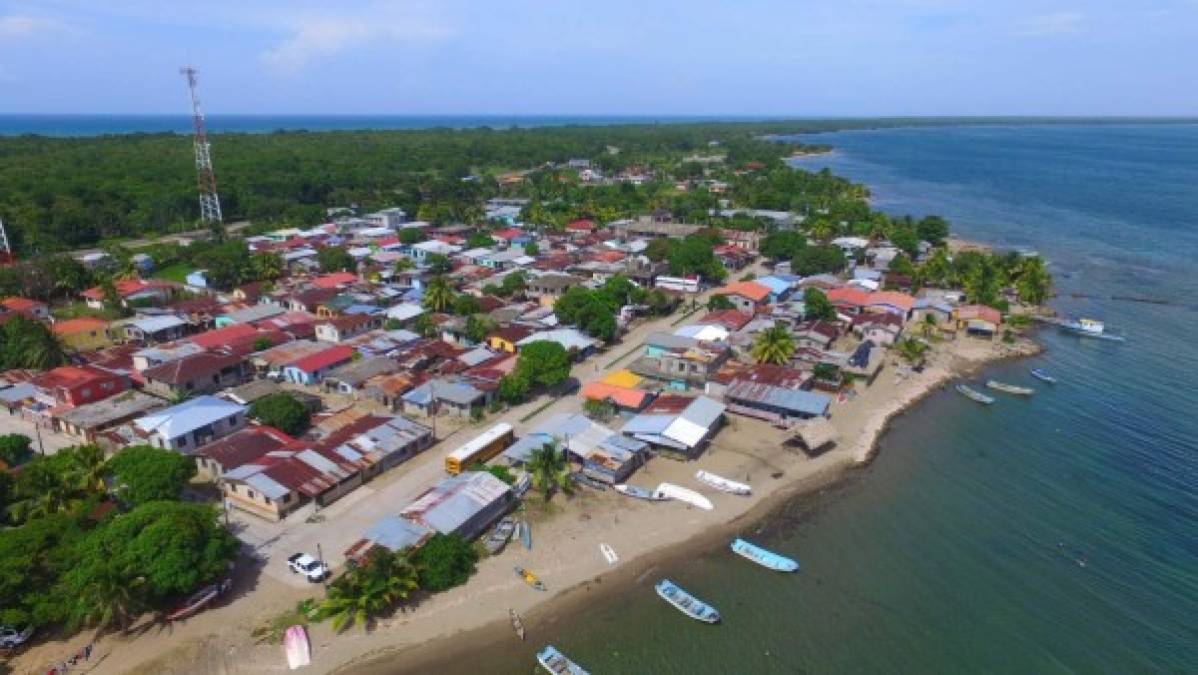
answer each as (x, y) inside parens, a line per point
(176, 272)
(272, 630)
(79, 308)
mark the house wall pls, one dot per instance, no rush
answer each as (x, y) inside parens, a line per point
(245, 498)
(187, 443)
(86, 340)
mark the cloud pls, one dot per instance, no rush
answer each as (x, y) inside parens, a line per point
(321, 36)
(22, 25)
(1054, 23)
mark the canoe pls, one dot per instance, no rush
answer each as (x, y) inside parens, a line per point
(640, 493)
(497, 538)
(721, 483)
(763, 557)
(296, 647)
(583, 479)
(526, 534)
(609, 554)
(971, 393)
(557, 663)
(517, 623)
(685, 495)
(195, 602)
(1009, 388)
(1043, 376)
(686, 603)
(529, 578)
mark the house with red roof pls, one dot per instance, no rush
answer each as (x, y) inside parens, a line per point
(195, 374)
(746, 296)
(335, 280)
(978, 320)
(893, 302)
(32, 309)
(77, 385)
(153, 291)
(732, 319)
(84, 333)
(581, 226)
(221, 337)
(312, 368)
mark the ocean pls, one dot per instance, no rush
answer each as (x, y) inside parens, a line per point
(98, 125)
(1057, 534)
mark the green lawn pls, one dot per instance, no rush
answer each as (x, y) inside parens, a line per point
(177, 272)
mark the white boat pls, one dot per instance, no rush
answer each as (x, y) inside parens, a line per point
(686, 603)
(296, 647)
(1009, 388)
(557, 663)
(1089, 328)
(721, 483)
(971, 393)
(609, 554)
(640, 493)
(685, 495)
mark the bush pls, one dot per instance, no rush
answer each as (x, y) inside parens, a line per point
(14, 449)
(143, 473)
(282, 412)
(445, 561)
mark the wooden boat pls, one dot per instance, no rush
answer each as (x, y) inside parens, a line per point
(296, 647)
(529, 578)
(1043, 376)
(498, 537)
(198, 600)
(526, 534)
(640, 493)
(721, 483)
(583, 479)
(609, 554)
(969, 392)
(686, 603)
(767, 559)
(685, 495)
(517, 623)
(557, 663)
(1009, 388)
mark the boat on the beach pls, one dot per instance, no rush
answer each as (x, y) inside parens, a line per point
(198, 600)
(526, 534)
(529, 578)
(763, 557)
(517, 622)
(1089, 328)
(971, 393)
(498, 537)
(583, 479)
(1043, 376)
(297, 647)
(1009, 388)
(609, 554)
(686, 603)
(557, 663)
(721, 483)
(685, 495)
(640, 493)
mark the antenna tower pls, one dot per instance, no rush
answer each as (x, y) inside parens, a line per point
(205, 177)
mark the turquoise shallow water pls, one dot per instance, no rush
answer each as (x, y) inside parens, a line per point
(1051, 535)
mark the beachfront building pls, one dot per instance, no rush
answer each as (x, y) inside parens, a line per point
(680, 362)
(677, 425)
(605, 455)
(465, 504)
(978, 320)
(188, 425)
(777, 394)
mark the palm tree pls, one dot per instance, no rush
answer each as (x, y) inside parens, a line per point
(1032, 282)
(40, 492)
(438, 296)
(821, 230)
(266, 266)
(107, 598)
(382, 581)
(548, 470)
(88, 468)
(774, 345)
(911, 349)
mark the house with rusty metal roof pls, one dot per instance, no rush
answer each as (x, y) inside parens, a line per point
(465, 504)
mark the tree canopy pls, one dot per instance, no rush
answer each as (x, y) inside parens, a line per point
(282, 411)
(144, 473)
(444, 561)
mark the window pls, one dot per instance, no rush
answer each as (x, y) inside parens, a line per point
(182, 441)
(250, 493)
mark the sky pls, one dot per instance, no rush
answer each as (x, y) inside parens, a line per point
(612, 57)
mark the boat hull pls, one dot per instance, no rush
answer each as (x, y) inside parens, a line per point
(641, 493)
(557, 663)
(722, 484)
(297, 648)
(765, 558)
(685, 495)
(1043, 376)
(686, 603)
(974, 395)
(1009, 388)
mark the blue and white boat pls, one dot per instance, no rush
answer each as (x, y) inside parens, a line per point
(687, 603)
(767, 559)
(557, 663)
(1043, 376)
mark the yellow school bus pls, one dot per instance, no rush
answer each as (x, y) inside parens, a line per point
(479, 449)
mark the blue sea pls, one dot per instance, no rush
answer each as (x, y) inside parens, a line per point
(98, 125)
(1057, 534)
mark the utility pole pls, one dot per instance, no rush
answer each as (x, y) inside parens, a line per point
(205, 177)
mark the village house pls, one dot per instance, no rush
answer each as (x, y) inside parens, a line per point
(351, 377)
(154, 329)
(30, 309)
(343, 328)
(132, 292)
(576, 343)
(978, 320)
(188, 425)
(238, 448)
(680, 362)
(312, 368)
(78, 385)
(82, 334)
(677, 425)
(605, 455)
(775, 394)
(196, 374)
(85, 423)
(458, 396)
(817, 334)
(746, 296)
(505, 338)
(465, 504)
(882, 328)
(547, 288)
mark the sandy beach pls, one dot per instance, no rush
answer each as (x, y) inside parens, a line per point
(566, 534)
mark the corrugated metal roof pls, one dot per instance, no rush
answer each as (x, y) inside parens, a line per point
(396, 533)
(188, 416)
(454, 501)
(785, 398)
(267, 486)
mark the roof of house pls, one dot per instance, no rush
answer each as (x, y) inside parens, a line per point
(355, 373)
(677, 421)
(127, 287)
(188, 416)
(847, 295)
(323, 359)
(893, 298)
(112, 409)
(251, 391)
(82, 324)
(17, 304)
(732, 319)
(222, 336)
(334, 280)
(454, 501)
(245, 445)
(454, 391)
(748, 289)
(154, 324)
(623, 378)
(512, 333)
(570, 338)
(621, 396)
(188, 368)
(70, 376)
(776, 396)
(254, 313)
(967, 312)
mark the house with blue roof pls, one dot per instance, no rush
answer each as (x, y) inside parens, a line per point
(188, 425)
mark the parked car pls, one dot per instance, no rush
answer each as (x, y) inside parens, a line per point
(302, 563)
(11, 638)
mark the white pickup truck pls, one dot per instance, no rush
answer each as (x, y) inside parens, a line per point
(302, 563)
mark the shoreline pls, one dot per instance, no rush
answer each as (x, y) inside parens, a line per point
(447, 645)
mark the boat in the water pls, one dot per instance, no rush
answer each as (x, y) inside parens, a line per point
(498, 537)
(526, 534)
(296, 647)
(1009, 388)
(763, 557)
(685, 495)
(529, 578)
(557, 663)
(971, 393)
(1043, 376)
(640, 493)
(583, 479)
(1089, 328)
(686, 603)
(609, 554)
(721, 483)
(198, 600)
(517, 622)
